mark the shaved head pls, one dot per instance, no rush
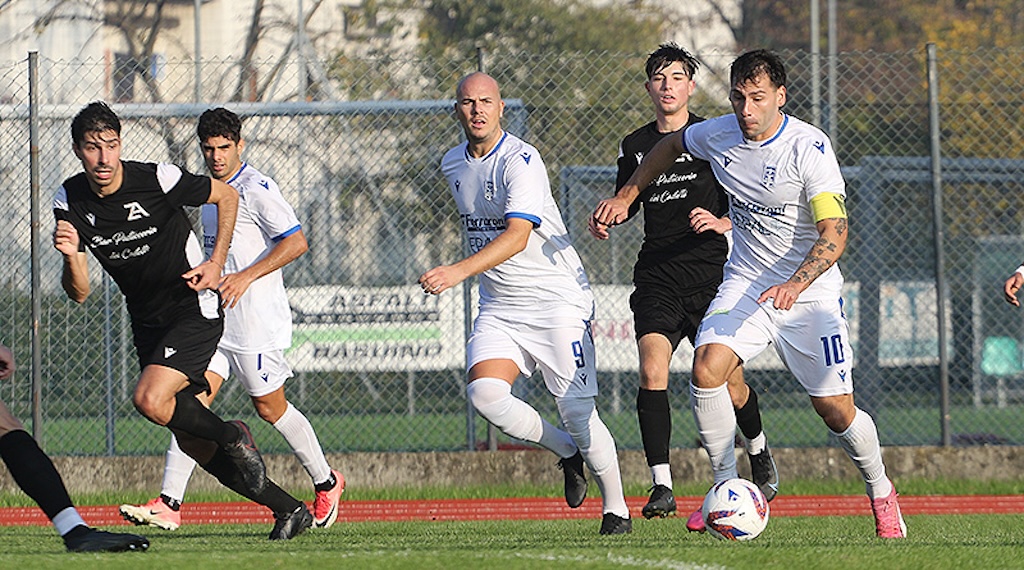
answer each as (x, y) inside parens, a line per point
(477, 80)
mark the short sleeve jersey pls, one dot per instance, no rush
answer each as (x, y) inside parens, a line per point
(546, 280)
(673, 254)
(262, 320)
(770, 186)
(142, 237)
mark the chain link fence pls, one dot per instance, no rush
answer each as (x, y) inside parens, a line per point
(380, 367)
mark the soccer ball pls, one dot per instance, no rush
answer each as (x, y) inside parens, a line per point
(735, 509)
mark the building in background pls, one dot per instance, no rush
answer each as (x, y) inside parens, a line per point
(251, 51)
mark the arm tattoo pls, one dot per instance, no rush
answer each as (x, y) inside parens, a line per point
(818, 260)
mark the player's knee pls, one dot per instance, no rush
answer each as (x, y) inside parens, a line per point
(653, 376)
(705, 376)
(484, 393)
(152, 407)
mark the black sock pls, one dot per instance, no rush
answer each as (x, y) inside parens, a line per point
(273, 497)
(655, 424)
(173, 504)
(326, 485)
(33, 471)
(193, 418)
(76, 532)
(749, 417)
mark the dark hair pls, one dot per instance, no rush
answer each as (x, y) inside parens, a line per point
(95, 117)
(219, 122)
(667, 54)
(752, 64)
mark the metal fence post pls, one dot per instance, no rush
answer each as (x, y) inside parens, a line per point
(34, 181)
(941, 284)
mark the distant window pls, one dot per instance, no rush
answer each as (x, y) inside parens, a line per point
(127, 68)
(123, 76)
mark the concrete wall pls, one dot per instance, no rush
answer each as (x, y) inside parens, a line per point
(456, 469)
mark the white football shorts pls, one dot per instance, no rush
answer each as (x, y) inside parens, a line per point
(564, 355)
(812, 338)
(260, 373)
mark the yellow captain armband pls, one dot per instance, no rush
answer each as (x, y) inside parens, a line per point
(828, 205)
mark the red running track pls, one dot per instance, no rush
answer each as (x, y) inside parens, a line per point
(532, 508)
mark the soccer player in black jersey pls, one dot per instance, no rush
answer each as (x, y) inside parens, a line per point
(677, 273)
(130, 215)
(33, 471)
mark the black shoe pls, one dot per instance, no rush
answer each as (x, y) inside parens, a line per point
(93, 540)
(614, 524)
(247, 459)
(575, 480)
(289, 525)
(661, 503)
(764, 473)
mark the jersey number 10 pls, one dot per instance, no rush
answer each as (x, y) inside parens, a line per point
(833, 347)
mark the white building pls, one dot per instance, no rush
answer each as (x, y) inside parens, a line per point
(102, 47)
(98, 48)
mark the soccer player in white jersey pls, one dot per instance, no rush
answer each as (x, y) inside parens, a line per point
(677, 273)
(257, 322)
(535, 301)
(782, 284)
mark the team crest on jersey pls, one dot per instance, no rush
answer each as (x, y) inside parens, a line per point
(135, 211)
(768, 177)
(489, 190)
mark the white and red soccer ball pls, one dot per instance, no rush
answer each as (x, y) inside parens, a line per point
(735, 509)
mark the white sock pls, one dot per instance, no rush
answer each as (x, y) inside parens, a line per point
(661, 474)
(716, 425)
(860, 441)
(178, 467)
(66, 520)
(299, 434)
(598, 448)
(493, 399)
(756, 445)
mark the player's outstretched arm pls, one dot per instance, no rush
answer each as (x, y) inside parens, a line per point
(75, 273)
(206, 275)
(234, 285)
(1011, 287)
(616, 210)
(508, 243)
(832, 236)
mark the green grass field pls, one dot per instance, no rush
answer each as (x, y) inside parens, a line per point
(975, 541)
(960, 541)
